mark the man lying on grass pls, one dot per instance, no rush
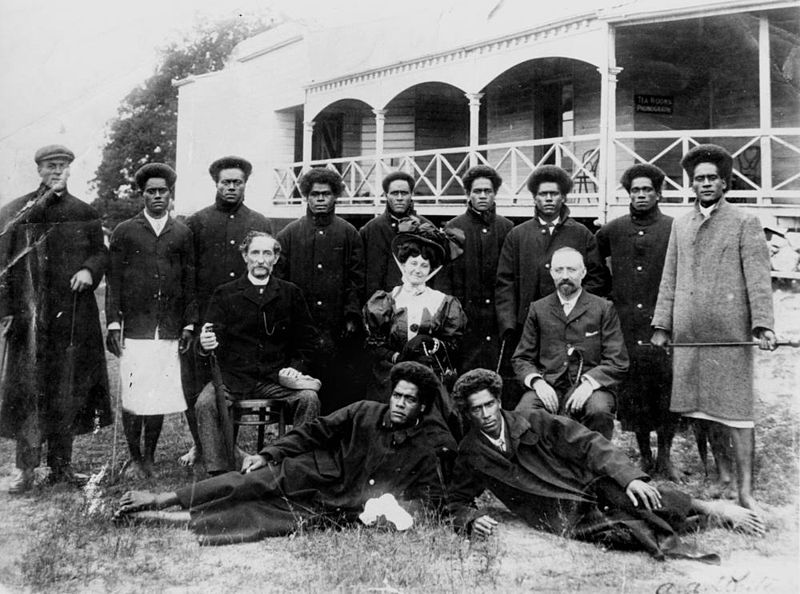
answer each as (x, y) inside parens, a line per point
(558, 476)
(326, 469)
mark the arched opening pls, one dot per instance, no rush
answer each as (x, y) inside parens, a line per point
(345, 128)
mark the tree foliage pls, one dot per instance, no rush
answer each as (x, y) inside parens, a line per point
(145, 128)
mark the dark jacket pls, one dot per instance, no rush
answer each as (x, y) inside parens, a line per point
(550, 458)
(218, 230)
(471, 279)
(636, 246)
(382, 272)
(322, 254)
(592, 328)
(43, 243)
(260, 333)
(523, 271)
(151, 279)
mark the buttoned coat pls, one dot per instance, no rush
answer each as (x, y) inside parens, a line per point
(716, 287)
(260, 333)
(331, 465)
(381, 271)
(549, 457)
(323, 255)
(471, 279)
(151, 279)
(523, 270)
(592, 329)
(44, 242)
(218, 231)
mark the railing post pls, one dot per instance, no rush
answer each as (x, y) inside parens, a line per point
(607, 160)
(474, 125)
(380, 120)
(308, 135)
(765, 107)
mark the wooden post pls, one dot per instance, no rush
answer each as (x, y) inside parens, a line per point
(607, 162)
(474, 125)
(308, 134)
(380, 120)
(765, 108)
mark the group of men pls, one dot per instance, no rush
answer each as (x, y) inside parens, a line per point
(256, 314)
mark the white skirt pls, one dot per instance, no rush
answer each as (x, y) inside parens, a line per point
(150, 373)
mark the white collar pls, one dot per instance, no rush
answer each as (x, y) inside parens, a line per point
(157, 224)
(258, 282)
(707, 210)
(499, 441)
(544, 223)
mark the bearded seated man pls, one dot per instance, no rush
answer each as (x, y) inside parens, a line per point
(558, 476)
(326, 469)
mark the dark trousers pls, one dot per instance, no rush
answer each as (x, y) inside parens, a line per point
(597, 414)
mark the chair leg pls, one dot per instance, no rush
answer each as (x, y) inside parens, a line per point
(281, 422)
(262, 423)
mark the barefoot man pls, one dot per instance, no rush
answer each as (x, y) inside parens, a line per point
(560, 477)
(327, 468)
(716, 287)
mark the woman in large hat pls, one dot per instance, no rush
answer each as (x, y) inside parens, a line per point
(414, 322)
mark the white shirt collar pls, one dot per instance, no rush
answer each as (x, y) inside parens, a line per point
(707, 210)
(258, 282)
(157, 224)
(499, 441)
(544, 223)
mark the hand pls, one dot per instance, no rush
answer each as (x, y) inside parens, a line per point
(289, 372)
(640, 491)
(414, 349)
(208, 340)
(5, 325)
(253, 462)
(113, 343)
(767, 341)
(660, 338)
(546, 394)
(483, 526)
(185, 341)
(578, 398)
(350, 328)
(81, 280)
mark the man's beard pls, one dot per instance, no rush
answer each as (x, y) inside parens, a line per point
(567, 288)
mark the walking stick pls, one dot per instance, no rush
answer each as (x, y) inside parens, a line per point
(790, 343)
(500, 358)
(222, 406)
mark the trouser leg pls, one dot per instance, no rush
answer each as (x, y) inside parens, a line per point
(59, 451)
(194, 376)
(529, 402)
(598, 413)
(302, 405)
(29, 444)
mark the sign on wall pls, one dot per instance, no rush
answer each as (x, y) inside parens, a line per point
(654, 104)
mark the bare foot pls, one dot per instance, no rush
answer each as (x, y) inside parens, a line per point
(161, 518)
(190, 458)
(148, 465)
(134, 501)
(723, 490)
(737, 517)
(133, 471)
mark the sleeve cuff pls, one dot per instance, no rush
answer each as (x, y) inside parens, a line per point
(592, 382)
(114, 326)
(530, 378)
(189, 327)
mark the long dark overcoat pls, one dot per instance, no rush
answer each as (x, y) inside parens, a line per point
(259, 333)
(716, 287)
(151, 279)
(471, 279)
(523, 271)
(43, 243)
(331, 465)
(218, 230)
(381, 271)
(636, 245)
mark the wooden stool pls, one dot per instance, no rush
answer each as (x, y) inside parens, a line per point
(258, 413)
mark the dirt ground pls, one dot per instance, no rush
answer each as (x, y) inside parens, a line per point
(517, 559)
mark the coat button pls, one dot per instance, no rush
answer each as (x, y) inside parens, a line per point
(319, 302)
(485, 230)
(547, 265)
(639, 268)
(488, 339)
(233, 242)
(640, 233)
(639, 305)
(231, 216)
(371, 481)
(319, 266)
(414, 327)
(321, 232)
(488, 301)
(232, 274)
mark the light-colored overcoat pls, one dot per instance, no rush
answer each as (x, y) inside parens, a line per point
(715, 287)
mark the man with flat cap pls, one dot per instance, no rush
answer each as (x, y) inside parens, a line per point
(523, 270)
(218, 230)
(716, 287)
(54, 384)
(635, 246)
(150, 305)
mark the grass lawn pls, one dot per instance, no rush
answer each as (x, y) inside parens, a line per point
(60, 540)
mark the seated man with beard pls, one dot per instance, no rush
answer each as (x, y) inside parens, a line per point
(325, 469)
(558, 476)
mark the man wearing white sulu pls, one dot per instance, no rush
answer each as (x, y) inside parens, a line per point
(150, 302)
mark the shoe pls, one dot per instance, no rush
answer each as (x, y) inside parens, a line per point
(67, 476)
(21, 481)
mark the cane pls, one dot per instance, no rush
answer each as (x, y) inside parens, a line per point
(500, 358)
(790, 343)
